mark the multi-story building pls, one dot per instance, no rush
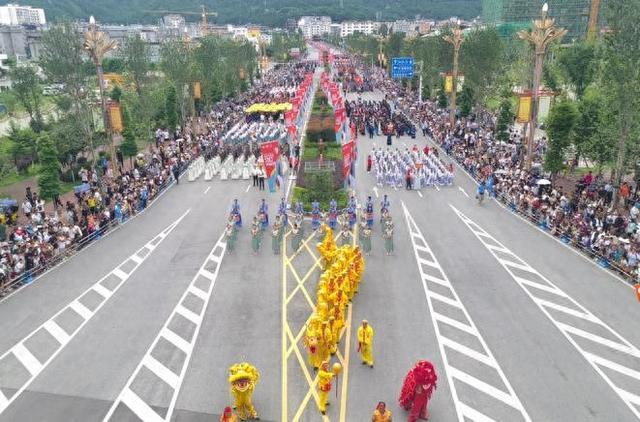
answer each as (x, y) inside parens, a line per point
(512, 15)
(314, 25)
(20, 42)
(364, 27)
(14, 14)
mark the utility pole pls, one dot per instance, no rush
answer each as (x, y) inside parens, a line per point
(593, 20)
(456, 38)
(421, 63)
(543, 33)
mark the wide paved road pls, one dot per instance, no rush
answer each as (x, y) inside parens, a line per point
(519, 326)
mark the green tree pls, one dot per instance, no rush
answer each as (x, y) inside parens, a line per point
(560, 124)
(505, 120)
(22, 144)
(128, 147)
(26, 86)
(621, 79)
(176, 61)
(136, 60)
(578, 64)
(466, 101)
(482, 61)
(171, 108)
(49, 175)
(442, 99)
(590, 116)
(394, 45)
(116, 93)
(62, 61)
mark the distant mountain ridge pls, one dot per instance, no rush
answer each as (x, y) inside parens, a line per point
(267, 12)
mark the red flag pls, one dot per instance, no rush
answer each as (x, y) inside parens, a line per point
(270, 152)
(347, 157)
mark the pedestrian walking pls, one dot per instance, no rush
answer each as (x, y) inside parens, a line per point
(261, 176)
(366, 240)
(256, 235)
(381, 414)
(276, 233)
(365, 343)
(296, 237)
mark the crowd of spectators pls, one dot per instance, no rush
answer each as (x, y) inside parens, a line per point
(583, 215)
(32, 239)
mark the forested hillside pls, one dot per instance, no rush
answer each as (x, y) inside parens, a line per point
(269, 12)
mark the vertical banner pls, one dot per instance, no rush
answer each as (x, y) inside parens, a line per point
(270, 152)
(347, 158)
(524, 108)
(197, 90)
(448, 83)
(115, 117)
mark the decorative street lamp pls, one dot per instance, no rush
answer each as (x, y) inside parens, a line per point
(543, 33)
(97, 44)
(456, 38)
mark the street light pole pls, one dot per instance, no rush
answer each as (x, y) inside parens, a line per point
(97, 44)
(456, 38)
(543, 33)
(421, 63)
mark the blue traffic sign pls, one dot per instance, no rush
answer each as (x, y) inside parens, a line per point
(402, 67)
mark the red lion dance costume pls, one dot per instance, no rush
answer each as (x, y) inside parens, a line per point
(417, 388)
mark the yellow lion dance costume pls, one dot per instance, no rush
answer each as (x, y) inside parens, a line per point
(243, 378)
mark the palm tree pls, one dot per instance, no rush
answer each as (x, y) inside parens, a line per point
(97, 44)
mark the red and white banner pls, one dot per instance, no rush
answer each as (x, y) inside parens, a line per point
(270, 152)
(347, 157)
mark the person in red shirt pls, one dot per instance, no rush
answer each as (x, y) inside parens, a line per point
(369, 162)
(426, 150)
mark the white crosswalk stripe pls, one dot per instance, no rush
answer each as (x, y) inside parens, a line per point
(465, 399)
(588, 344)
(168, 376)
(35, 366)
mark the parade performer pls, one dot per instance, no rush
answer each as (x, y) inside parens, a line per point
(365, 343)
(366, 240)
(325, 378)
(387, 234)
(256, 234)
(243, 378)
(417, 389)
(264, 214)
(369, 212)
(230, 236)
(345, 230)
(381, 414)
(333, 214)
(299, 208)
(351, 209)
(228, 415)
(384, 205)
(315, 215)
(235, 213)
(282, 210)
(311, 342)
(296, 237)
(277, 230)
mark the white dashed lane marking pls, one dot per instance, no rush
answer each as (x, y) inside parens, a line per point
(614, 358)
(101, 294)
(175, 342)
(476, 396)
